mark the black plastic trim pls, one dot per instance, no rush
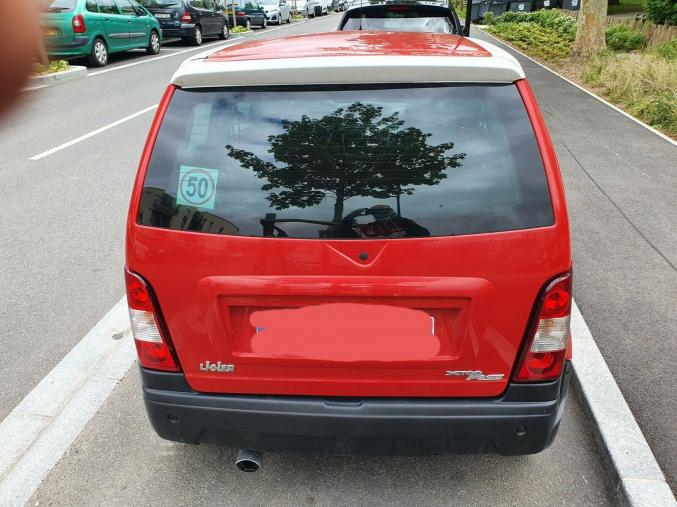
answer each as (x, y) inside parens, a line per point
(78, 42)
(522, 421)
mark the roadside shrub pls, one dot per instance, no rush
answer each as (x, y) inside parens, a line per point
(54, 66)
(644, 83)
(620, 38)
(661, 11)
(552, 19)
(531, 37)
(239, 29)
(489, 18)
(555, 20)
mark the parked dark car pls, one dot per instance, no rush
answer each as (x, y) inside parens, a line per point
(401, 16)
(192, 20)
(248, 12)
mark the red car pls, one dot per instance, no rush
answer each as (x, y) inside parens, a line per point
(351, 242)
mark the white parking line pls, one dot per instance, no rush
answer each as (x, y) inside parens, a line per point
(92, 133)
(162, 57)
(238, 39)
(36, 434)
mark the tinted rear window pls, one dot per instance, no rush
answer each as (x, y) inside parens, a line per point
(61, 6)
(368, 162)
(400, 18)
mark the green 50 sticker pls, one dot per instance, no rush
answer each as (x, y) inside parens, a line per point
(197, 187)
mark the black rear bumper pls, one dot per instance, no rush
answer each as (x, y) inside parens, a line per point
(524, 420)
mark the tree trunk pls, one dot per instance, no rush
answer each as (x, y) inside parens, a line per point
(591, 27)
(338, 207)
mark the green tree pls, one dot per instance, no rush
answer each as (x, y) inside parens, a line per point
(354, 151)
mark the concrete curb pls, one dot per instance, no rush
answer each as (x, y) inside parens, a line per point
(35, 435)
(73, 73)
(638, 479)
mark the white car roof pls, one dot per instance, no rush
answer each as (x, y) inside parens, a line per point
(346, 57)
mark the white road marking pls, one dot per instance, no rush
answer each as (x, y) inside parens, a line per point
(237, 39)
(33, 88)
(638, 477)
(93, 133)
(627, 115)
(34, 436)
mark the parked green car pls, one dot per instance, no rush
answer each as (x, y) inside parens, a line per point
(97, 28)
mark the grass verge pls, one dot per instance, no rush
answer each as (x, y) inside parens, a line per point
(643, 82)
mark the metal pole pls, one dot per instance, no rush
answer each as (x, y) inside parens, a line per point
(468, 14)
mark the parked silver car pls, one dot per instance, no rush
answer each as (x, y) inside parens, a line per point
(277, 11)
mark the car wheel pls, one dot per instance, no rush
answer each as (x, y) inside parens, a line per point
(249, 24)
(265, 24)
(225, 33)
(196, 39)
(153, 44)
(289, 18)
(98, 56)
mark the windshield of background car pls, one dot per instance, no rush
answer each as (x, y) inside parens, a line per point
(61, 6)
(359, 162)
(159, 3)
(396, 18)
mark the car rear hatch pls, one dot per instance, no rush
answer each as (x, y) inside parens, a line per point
(57, 22)
(167, 12)
(359, 249)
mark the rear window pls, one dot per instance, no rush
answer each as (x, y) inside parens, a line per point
(398, 18)
(149, 4)
(61, 5)
(359, 162)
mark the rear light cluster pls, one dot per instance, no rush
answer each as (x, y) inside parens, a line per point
(152, 345)
(79, 24)
(186, 18)
(545, 351)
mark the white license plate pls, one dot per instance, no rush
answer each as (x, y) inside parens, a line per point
(163, 16)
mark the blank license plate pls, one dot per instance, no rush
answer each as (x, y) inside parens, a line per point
(163, 16)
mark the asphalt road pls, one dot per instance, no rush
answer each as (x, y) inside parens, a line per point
(61, 243)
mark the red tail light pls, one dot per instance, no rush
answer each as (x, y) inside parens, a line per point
(152, 345)
(545, 350)
(186, 18)
(241, 13)
(79, 24)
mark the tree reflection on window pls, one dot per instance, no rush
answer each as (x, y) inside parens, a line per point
(355, 151)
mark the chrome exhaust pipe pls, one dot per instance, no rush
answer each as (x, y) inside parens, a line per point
(248, 460)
